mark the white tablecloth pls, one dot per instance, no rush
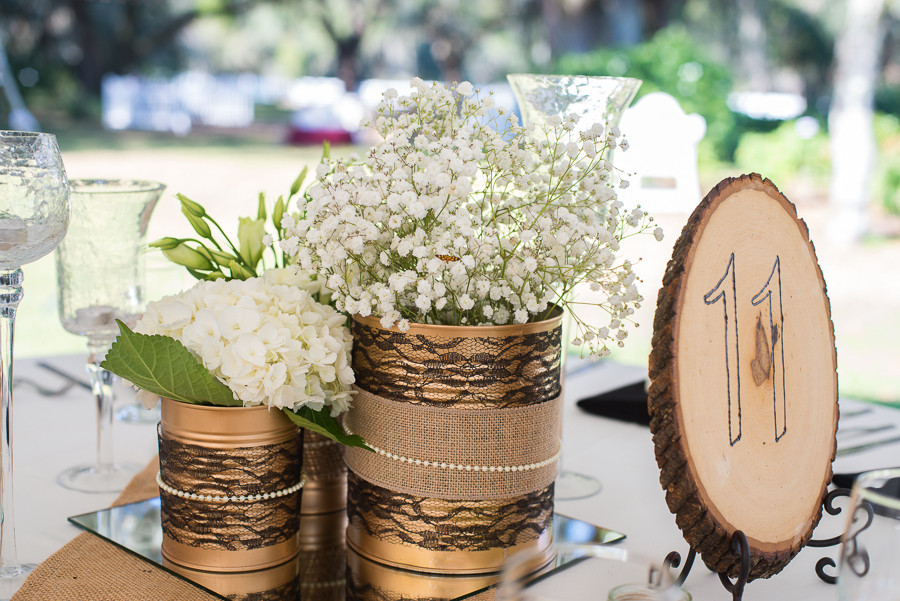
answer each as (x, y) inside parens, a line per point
(52, 433)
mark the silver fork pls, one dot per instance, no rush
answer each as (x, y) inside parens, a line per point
(852, 431)
(43, 390)
(866, 446)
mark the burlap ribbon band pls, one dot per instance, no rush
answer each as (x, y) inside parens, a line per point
(520, 443)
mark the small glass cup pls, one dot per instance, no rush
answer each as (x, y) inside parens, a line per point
(591, 571)
(870, 547)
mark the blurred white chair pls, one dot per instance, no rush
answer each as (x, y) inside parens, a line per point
(661, 161)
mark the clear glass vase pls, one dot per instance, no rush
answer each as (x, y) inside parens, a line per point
(593, 100)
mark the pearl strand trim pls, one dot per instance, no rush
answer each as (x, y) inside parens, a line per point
(229, 499)
(320, 443)
(461, 467)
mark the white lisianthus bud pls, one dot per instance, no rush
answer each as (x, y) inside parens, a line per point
(147, 399)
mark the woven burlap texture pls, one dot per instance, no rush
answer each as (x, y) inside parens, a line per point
(88, 567)
(512, 436)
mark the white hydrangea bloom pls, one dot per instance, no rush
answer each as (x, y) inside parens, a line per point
(265, 338)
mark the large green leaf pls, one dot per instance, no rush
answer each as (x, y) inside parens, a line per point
(322, 423)
(163, 366)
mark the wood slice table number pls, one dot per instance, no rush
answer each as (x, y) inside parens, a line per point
(743, 395)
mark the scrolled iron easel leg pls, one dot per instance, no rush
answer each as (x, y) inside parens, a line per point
(673, 560)
(740, 546)
(827, 562)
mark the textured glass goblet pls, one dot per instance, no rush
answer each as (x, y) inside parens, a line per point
(870, 545)
(594, 100)
(34, 213)
(100, 267)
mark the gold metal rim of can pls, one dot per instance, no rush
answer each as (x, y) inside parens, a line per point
(239, 583)
(427, 329)
(324, 496)
(225, 560)
(446, 562)
(225, 427)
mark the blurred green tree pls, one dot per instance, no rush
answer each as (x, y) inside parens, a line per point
(66, 46)
(346, 22)
(672, 62)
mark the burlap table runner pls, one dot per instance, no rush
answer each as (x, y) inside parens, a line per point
(91, 568)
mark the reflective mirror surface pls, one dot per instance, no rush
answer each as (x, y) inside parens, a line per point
(136, 528)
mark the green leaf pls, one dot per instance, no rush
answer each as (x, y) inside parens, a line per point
(163, 366)
(322, 423)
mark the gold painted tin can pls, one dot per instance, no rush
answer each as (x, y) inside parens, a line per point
(371, 581)
(323, 556)
(465, 422)
(279, 582)
(229, 498)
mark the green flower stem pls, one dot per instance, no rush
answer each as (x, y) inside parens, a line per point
(234, 249)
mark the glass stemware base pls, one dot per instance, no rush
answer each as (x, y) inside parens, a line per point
(12, 577)
(574, 485)
(98, 479)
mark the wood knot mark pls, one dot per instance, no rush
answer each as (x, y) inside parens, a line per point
(761, 364)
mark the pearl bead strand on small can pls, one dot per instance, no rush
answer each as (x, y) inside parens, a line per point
(229, 499)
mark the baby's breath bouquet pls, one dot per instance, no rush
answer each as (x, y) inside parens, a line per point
(462, 216)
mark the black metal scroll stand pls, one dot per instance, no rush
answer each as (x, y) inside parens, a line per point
(740, 547)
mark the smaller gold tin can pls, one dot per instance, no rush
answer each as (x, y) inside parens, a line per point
(229, 494)
(325, 490)
(278, 582)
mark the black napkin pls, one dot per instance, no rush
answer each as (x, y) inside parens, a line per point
(627, 404)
